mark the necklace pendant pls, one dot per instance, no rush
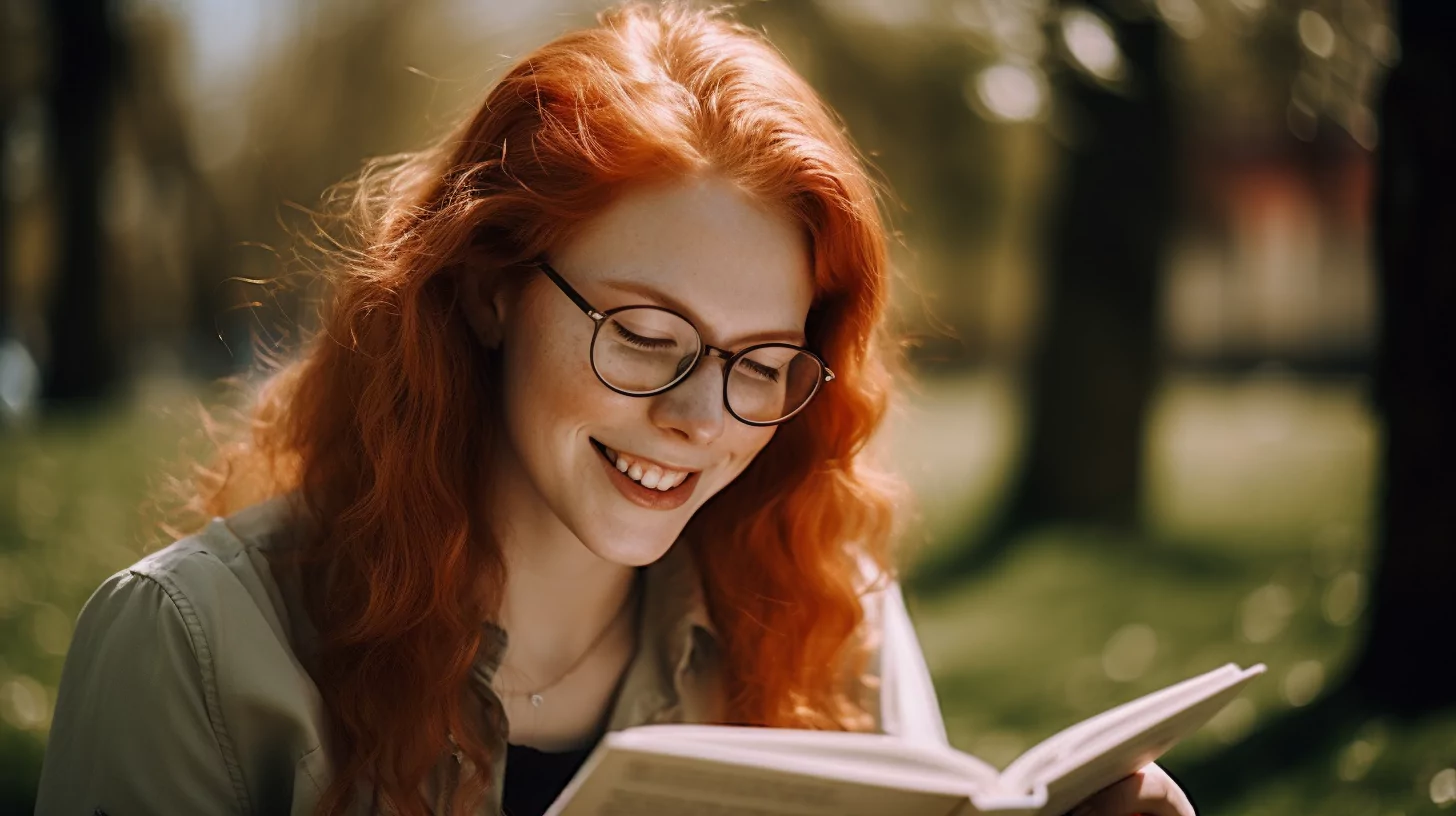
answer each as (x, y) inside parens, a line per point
(536, 700)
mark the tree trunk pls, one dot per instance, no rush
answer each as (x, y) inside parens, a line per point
(81, 361)
(1408, 662)
(1093, 370)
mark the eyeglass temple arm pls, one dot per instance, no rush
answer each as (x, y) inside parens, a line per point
(570, 292)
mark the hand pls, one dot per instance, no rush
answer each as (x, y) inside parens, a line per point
(1150, 792)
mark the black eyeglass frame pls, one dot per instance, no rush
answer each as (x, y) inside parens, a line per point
(729, 358)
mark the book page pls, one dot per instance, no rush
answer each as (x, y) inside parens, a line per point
(624, 782)
(858, 754)
(1091, 755)
(1070, 743)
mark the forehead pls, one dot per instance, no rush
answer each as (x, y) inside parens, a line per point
(740, 267)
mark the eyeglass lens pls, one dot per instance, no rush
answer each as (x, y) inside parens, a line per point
(640, 350)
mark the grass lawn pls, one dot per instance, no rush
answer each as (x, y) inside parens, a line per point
(1258, 524)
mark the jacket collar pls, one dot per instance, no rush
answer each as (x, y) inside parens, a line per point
(675, 623)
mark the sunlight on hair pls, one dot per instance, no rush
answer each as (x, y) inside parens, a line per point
(1092, 44)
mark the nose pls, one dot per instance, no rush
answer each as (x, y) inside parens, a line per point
(694, 407)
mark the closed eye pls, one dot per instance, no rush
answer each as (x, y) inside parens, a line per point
(633, 339)
(762, 371)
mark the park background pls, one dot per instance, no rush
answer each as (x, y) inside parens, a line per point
(1169, 291)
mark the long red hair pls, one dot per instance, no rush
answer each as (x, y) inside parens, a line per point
(383, 423)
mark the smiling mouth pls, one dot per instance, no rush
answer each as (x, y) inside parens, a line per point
(646, 474)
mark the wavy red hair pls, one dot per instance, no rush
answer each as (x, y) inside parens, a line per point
(384, 420)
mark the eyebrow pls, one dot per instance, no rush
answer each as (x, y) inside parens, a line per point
(663, 299)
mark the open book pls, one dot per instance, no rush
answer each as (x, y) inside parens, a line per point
(710, 770)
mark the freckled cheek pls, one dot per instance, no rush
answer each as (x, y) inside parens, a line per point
(557, 381)
(746, 448)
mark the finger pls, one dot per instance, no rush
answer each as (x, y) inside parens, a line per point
(1152, 794)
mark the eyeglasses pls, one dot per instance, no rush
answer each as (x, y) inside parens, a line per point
(639, 351)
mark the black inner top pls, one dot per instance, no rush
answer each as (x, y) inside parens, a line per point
(535, 778)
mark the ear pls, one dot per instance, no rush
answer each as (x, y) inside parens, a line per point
(484, 305)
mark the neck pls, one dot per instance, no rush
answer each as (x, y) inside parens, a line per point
(557, 601)
(558, 594)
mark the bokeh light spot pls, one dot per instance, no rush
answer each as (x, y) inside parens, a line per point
(1011, 93)
(1234, 722)
(1316, 33)
(1184, 17)
(23, 703)
(1345, 598)
(1355, 760)
(1443, 787)
(1129, 652)
(19, 380)
(1092, 43)
(1303, 682)
(1265, 613)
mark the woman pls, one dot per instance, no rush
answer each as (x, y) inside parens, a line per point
(578, 447)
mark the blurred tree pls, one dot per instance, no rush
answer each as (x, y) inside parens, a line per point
(82, 364)
(1408, 663)
(153, 114)
(9, 91)
(336, 91)
(1093, 369)
(900, 91)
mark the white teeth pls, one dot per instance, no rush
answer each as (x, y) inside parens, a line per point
(651, 476)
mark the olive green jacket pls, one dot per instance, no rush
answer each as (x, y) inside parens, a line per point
(184, 691)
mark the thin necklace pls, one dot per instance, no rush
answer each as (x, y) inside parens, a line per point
(537, 697)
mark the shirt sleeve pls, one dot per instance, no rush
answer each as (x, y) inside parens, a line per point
(908, 704)
(136, 727)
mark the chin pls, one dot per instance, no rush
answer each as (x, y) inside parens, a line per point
(630, 554)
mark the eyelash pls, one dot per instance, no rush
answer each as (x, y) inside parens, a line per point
(640, 341)
(631, 338)
(770, 374)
